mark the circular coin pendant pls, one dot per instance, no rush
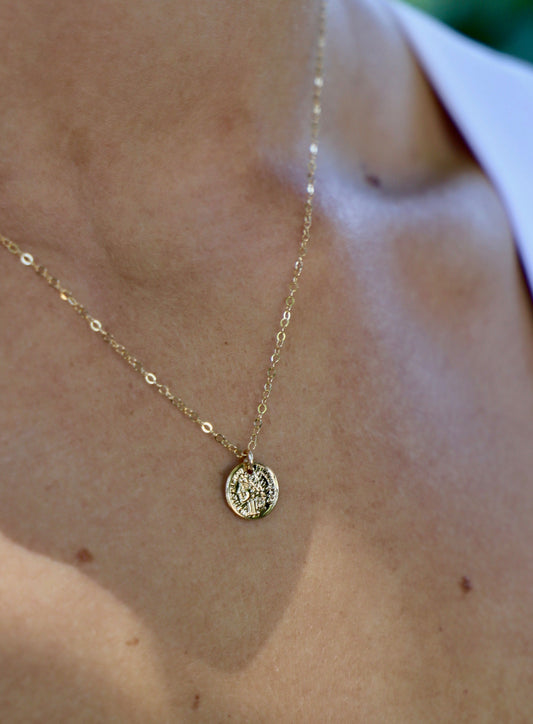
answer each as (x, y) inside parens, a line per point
(252, 494)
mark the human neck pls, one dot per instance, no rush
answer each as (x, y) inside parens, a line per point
(135, 69)
(135, 106)
(120, 94)
(139, 70)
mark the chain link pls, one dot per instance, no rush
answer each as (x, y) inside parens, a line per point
(149, 377)
(318, 83)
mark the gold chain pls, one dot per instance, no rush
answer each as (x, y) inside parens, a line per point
(149, 377)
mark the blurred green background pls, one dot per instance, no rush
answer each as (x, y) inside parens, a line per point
(503, 24)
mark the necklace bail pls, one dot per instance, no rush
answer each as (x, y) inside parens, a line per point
(248, 460)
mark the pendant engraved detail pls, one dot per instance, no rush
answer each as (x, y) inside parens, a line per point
(252, 494)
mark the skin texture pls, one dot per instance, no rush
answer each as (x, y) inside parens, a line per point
(164, 187)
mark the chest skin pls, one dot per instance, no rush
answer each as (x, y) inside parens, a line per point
(393, 582)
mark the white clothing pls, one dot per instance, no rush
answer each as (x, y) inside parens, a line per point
(489, 96)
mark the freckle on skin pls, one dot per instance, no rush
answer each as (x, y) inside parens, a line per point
(466, 584)
(373, 180)
(79, 147)
(84, 555)
(196, 702)
(132, 642)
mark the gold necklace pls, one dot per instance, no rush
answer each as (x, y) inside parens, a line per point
(251, 488)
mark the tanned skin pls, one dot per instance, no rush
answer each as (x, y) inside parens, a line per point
(153, 155)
